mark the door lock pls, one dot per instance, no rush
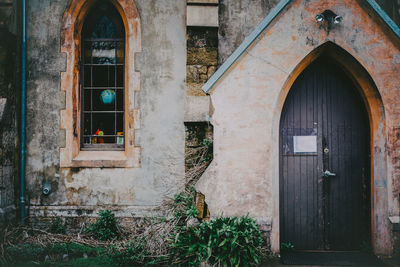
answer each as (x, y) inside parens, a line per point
(328, 174)
(326, 150)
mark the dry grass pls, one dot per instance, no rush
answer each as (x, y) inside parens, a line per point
(153, 231)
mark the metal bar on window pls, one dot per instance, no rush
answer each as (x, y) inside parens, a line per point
(123, 94)
(103, 111)
(116, 95)
(106, 135)
(108, 64)
(99, 112)
(91, 98)
(103, 39)
(101, 147)
(82, 94)
(102, 88)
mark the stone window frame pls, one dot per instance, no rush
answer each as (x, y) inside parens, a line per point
(71, 154)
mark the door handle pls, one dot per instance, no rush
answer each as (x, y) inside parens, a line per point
(328, 174)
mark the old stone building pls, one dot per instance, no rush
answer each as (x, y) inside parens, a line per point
(9, 74)
(304, 96)
(116, 90)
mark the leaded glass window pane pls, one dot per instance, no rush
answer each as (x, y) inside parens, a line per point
(102, 79)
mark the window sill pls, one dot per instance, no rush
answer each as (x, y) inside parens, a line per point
(100, 159)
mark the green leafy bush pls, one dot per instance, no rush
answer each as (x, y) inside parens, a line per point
(105, 227)
(184, 198)
(230, 241)
(184, 206)
(57, 227)
(191, 212)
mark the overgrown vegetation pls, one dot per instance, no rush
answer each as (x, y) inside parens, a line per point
(197, 160)
(24, 254)
(153, 241)
(208, 147)
(57, 227)
(105, 228)
(233, 241)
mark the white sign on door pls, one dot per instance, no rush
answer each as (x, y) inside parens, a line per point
(305, 144)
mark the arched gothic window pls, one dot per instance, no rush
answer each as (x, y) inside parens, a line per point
(102, 79)
(100, 39)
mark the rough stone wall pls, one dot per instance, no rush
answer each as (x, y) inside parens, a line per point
(8, 108)
(237, 19)
(161, 136)
(202, 57)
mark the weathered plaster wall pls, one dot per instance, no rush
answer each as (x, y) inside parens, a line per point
(237, 19)
(8, 108)
(160, 133)
(244, 175)
(202, 14)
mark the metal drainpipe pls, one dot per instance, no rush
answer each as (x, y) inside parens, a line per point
(23, 107)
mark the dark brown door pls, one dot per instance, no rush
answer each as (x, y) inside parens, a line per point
(324, 162)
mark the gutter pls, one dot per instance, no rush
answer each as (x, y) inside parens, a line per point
(23, 108)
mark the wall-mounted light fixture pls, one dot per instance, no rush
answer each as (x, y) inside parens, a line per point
(328, 18)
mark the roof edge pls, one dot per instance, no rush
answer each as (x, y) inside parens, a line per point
(245, 44)
(266, 22)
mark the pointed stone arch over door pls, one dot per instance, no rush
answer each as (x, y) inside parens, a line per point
(324, 162)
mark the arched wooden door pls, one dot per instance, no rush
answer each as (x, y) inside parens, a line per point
(324, 162)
